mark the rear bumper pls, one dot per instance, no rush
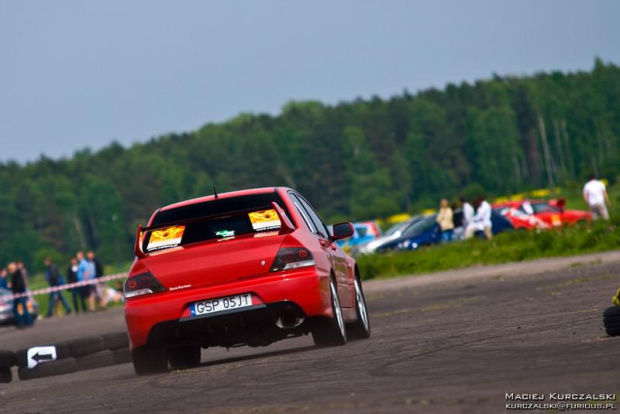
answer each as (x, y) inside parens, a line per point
(162, 316)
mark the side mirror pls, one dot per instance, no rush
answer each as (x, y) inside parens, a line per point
(342, 231)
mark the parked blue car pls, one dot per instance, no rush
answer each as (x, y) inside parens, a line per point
(427, 232)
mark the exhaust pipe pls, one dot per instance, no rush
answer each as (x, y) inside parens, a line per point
(288, 318)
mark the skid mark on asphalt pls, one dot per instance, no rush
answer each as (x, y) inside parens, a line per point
(456, 303)
(577, 281)
(386, 370)
(291, 408)
(581, 264)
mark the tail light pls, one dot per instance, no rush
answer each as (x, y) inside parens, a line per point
(142, 284)
(292, 258)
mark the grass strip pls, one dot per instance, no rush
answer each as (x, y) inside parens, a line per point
(515, 246)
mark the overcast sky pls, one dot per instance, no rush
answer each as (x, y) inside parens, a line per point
(77, 74)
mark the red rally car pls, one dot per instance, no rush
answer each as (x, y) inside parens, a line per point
(242, 268)
(540, 214)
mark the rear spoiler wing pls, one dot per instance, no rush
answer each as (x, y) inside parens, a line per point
(138, 244)
(286, 226)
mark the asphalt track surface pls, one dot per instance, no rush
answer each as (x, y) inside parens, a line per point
(452, 342)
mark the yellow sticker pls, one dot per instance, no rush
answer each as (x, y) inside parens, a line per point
(167, 237)
(265, 220)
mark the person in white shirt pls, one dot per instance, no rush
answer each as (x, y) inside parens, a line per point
(468, 212)
(481, 221)
(595, 194)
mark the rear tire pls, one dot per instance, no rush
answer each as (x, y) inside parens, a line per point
(331, 332)
(149, 360)
(611, 320)
(184, 357)
(360, 329)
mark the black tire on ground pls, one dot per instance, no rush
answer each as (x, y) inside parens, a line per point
(85, 346)
(121, 356)
(21, 358)
(184, 357)
(99, 359)
(7, 359)
(6, 375)
(149, 360)
(332, 331)
(62, 352)
(115, 340)
(360, 329)
(611, 320)
(48, 369)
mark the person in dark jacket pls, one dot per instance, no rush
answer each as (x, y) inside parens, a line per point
(79, 302)
(20, 305)
(24, 272)
(53, 277)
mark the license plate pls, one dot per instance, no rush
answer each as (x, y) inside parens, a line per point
(206, 307)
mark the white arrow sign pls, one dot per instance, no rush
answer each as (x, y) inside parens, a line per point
(40, 354)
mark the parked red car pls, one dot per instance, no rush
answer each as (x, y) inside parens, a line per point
(540, 214)
(243, 268)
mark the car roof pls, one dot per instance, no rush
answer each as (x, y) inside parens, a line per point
(230, 194)
(518, 203)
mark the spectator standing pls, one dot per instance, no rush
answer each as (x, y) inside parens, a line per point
(76, 292)
(20, 305)
(481, 220)
(99, 290)
(24, 273)
(595, 194)
(86, 272)
(445, 221)
(468, 212)
(4, 279)
(53, 277)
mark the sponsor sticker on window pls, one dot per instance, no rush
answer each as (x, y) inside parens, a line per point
(165, 238)
(265, 220)
(225, 233)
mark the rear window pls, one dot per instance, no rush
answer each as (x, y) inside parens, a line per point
(544, 208)
(216, 219)
(420, 227)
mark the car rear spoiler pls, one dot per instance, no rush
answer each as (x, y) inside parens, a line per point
(137, 248)
(286, 226)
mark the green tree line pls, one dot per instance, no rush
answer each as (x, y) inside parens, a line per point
(355, 160)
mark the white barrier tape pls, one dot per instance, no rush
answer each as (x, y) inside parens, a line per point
(66, 286)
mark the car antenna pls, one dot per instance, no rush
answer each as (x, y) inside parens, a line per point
(215, 193)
